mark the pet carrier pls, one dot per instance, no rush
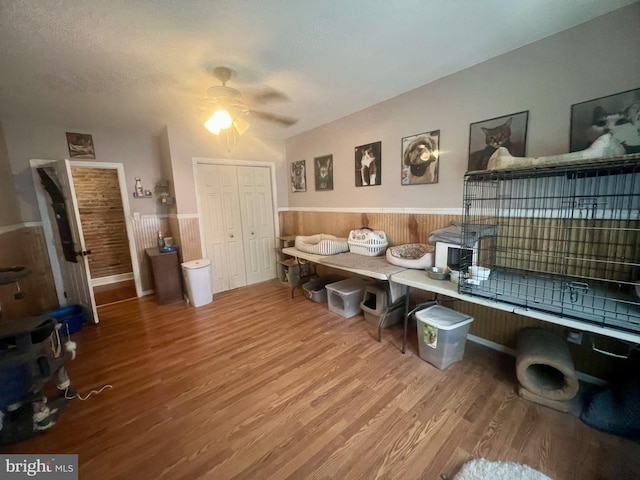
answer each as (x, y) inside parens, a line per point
(566, 240)
(366, 241)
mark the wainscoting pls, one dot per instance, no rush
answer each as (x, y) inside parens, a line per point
(25, 245)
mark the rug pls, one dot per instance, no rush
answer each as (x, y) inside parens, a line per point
(481, 469)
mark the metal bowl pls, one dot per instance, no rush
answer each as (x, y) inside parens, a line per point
(437, 273)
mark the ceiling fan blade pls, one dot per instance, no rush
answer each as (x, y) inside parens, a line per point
(265, 95)
(241, 125)
(274, 117)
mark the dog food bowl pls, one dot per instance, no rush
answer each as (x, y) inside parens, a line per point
(437, 273)
(479, 273)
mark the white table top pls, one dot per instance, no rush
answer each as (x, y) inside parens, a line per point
(419, 279)
(325, 260)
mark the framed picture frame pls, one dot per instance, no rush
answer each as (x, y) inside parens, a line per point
(420, 158)
(298, 176)
(485, 137)
(80, 145)
(618, 114)
(323, 173)
(368, 164)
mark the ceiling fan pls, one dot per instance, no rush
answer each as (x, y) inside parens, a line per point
(232, 107)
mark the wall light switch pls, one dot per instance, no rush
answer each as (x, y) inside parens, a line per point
(136, 216)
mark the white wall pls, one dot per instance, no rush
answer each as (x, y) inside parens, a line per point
(138, 152)
(187, 141)
(594, 59)
(9, 213)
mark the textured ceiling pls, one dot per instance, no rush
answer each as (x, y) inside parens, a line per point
(140, 65)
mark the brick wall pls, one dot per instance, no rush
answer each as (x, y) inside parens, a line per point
(103, 222)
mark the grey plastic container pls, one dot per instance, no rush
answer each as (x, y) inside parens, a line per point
(315, 290)
(375, 302)
(442, 335)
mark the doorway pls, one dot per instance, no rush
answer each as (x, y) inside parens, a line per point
(104, 229)
(72, 277)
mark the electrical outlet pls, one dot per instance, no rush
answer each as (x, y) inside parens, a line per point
(575, 337)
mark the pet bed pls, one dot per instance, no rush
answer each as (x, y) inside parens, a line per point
(321, 244)
(412, 255)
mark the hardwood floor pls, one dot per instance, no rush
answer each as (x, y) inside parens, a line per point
(114, 292)
(256, 385)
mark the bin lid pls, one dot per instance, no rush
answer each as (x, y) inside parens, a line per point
(200, 263)
(347, 286)
(443, 317)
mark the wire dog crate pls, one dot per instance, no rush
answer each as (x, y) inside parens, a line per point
(565, 239)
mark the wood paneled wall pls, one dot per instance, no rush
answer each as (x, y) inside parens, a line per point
(26, 246)
(490, 324)
(189, 238)
(145, 233)
(401, 228)
(103, 223)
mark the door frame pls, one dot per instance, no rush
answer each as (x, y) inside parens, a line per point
(49, 234)
(238, 163)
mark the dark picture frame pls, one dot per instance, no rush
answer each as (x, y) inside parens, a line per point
(298, 176)
(420, 158)
(368, 164)
(509, 131)
(80, 145)
(618, 114)
(323, 173)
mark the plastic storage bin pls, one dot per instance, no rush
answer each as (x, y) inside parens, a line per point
(374, 303)
(344, 297)
(197, 278)
(70, 317)
(315, 289)
(442, 335)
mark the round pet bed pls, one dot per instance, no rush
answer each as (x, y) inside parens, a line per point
(544, 365)
(321, 244)
(411, 255)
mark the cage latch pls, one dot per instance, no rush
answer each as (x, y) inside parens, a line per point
(576, 289)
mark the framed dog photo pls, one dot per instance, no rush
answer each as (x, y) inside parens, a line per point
(485, 137)
(420, 155)
(298, 176)
(618, 114)
(324, 173)
(368, 164)
(80, 145)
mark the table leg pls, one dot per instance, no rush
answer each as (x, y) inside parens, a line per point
(406, 319)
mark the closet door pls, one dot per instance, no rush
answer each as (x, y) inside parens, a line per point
(256, 206)
(218, 187)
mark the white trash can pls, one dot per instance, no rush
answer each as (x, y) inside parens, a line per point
(197, 278)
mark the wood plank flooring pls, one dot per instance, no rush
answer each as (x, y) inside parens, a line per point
(114, 292)
(259, 386)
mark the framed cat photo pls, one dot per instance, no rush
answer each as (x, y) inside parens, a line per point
(368, 164)
(618, 114)
(80, 145)
(324, 173)
(485, 137)
(298, 176)
(420, 158)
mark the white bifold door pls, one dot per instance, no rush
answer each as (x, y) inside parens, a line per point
(236, 204)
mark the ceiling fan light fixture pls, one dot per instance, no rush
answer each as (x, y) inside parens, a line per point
(220, 120)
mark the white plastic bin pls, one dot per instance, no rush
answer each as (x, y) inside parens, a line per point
(197, 278)
(344, 297)
(442, 335)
